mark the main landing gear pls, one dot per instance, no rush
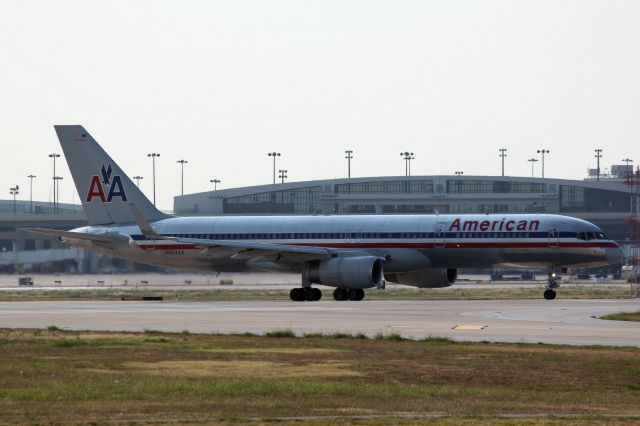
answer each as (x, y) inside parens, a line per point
(354, 294)
(310, 294)
(552, 285)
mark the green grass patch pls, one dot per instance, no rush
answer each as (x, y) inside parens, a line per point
(438, 339)
(334, 335)
(389, 336)
(623, 316)
(68, 343)
(280, 333)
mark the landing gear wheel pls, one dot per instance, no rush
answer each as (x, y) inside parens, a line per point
(316, 294)
(552, 285)
(340, 294)
(549, 294)
(355, 295)
(297, 294)
(301, 294)
(311, 294)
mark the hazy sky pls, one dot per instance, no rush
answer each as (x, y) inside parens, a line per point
(221, 83)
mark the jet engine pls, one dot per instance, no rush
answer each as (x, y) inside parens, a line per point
(356, 272)
(425, 278)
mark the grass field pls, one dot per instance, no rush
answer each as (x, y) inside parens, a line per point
(55, 376)
(397, 293)
(623, 316)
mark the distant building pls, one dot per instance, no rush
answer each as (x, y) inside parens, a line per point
(605, 203)
(20, 250)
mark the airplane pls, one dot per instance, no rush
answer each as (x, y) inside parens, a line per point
(350, 253)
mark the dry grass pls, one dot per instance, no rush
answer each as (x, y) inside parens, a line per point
(217, 369)
(53, 376)
(623, 316)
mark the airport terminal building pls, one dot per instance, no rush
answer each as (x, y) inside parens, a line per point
(605, 203)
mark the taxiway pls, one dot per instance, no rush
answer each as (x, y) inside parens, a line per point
(558, 322)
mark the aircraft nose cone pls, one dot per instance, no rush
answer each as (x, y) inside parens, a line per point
(615, 254)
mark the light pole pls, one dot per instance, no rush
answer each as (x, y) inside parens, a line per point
(31, 193)
(459, 173)
(407, 157)
(543, 152)
(54, 156)
(14, 191)
(629, 167)
(274, 155)
(182, 163)
(138, 178)
(533, 161)
(503, 153)
(598, 157)
(153, 156)
(282, 175)
(215, 183)
(349, 156)
(630, 180)
(57, 180)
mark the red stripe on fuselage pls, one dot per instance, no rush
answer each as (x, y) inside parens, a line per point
(169, 247)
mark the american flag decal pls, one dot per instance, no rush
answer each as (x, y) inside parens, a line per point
(79, 137)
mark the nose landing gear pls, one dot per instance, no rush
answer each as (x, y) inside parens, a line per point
(552, 285)
(549, 294)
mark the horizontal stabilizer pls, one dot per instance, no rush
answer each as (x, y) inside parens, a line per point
(102, 238)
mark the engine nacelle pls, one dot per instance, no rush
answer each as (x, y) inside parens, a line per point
(349, 272)
(425, 278)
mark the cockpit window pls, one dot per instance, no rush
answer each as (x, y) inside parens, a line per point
(591, 236)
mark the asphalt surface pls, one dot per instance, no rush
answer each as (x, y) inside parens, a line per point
(559, 322)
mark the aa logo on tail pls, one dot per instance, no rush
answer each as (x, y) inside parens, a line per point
(112, 185)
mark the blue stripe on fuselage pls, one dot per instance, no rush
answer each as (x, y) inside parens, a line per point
(360, 235)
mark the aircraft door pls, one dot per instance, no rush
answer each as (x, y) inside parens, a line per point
(439, 235)
(554, 235)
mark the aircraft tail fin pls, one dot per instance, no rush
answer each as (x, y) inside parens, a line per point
(104, 189)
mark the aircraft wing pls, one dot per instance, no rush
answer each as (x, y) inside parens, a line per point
(246, 249)
(98, 238)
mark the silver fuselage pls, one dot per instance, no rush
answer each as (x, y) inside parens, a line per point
(408, 243)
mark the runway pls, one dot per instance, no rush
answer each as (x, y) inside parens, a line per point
(532, 321)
